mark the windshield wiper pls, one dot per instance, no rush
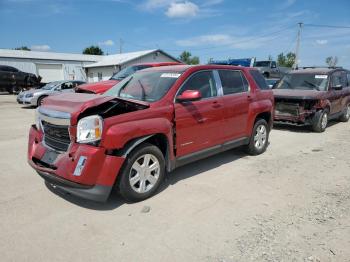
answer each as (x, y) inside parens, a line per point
(312, 85)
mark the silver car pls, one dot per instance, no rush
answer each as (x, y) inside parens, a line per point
(34, 97)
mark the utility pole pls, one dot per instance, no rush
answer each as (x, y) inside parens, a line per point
(121, 42)
(297, 50)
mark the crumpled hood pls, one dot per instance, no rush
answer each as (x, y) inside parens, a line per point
(298, 94)
(99, 87)
(76, 103)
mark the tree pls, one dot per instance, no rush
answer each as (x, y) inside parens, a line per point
(93, 50)
(270, 58)
(187, 58)
(25, 48)
(332, 61)
(287, 60)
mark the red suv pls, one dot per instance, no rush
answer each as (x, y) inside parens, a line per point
(103, 86)
(151, 122)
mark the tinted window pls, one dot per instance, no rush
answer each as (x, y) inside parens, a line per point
(339, 78)
(259, 79)
(8, 69)
(273, 64)
(348, 74)
(232, 82)
(202, 81)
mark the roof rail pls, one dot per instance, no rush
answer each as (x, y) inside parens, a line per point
(330, 67)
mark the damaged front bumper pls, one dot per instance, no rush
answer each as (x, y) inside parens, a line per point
(293, 113)
(83, 170)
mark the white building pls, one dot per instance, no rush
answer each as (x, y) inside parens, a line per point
(105, 68)
(63, 66)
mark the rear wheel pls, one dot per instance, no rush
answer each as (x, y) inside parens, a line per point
(142, 173)
(259, 139)
(320, 121)
(346, 115)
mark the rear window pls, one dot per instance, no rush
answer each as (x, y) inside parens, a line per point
(232, 82)
(259, 79)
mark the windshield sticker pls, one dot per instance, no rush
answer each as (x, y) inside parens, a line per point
(321, 76)
(171, 75)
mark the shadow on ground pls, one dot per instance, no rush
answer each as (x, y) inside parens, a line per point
(182, 173)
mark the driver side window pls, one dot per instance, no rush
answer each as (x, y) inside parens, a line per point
(202, 81)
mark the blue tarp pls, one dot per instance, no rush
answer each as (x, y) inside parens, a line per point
(246, 62)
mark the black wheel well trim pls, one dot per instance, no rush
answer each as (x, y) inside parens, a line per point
(133, 143)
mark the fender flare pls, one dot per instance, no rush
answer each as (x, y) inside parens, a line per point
(131, 145)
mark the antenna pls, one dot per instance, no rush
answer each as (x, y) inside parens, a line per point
(297, 50)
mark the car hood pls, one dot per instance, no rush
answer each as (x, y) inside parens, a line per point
(76, 103)
(35, 91)
(298, 94)
(99, 87)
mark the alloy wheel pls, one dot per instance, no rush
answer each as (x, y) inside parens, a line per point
(144, 173)
(260, 137)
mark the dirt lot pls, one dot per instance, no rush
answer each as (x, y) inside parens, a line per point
(290, 204)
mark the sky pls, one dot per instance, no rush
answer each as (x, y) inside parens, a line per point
(218, 29)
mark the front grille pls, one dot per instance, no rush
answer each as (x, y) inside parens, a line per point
(289, 109)
(56, 136)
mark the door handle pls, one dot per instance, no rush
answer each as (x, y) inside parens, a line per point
(216, 104)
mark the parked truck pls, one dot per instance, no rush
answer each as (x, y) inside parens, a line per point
(270, 69)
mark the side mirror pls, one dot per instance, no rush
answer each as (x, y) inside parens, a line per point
(338, 87)
(189, 95)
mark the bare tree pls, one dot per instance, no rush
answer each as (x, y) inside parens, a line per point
(332, 61)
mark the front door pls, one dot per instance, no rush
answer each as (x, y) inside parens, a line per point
(199, 124)
(337, 79)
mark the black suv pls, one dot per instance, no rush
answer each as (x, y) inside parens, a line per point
(13, 80)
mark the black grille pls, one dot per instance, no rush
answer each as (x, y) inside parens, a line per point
(56, 136)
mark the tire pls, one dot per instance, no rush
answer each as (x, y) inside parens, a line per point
(135, 186)
(259, 139)
(346, 114)
(320, 121)
(40, 101)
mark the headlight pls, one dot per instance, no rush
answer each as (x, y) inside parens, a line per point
(89, 129)
(29, 95)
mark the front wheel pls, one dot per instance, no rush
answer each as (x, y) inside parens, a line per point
(320, 121)
(142, 173)
(259, 139)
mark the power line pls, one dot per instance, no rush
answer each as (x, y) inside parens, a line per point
(329, 26)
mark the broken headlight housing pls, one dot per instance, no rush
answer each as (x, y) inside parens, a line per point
(89, 129)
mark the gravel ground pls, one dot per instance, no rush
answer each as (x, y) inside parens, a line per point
(290, 204)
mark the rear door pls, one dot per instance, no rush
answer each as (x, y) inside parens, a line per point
(199, 124)
(236, 103)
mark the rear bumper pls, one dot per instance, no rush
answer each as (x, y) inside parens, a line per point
(303, 118)
(96, 176)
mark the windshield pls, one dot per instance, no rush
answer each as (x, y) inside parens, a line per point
(262, 64)
(128, 71)
(51, 85)
(144, 86)
(304, 82)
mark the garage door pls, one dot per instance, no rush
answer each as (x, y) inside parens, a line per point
(50, 72)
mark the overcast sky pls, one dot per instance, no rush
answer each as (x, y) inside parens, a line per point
(216, 29)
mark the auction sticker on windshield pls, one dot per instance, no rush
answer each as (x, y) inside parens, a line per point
(171, 75)
(321, 76)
